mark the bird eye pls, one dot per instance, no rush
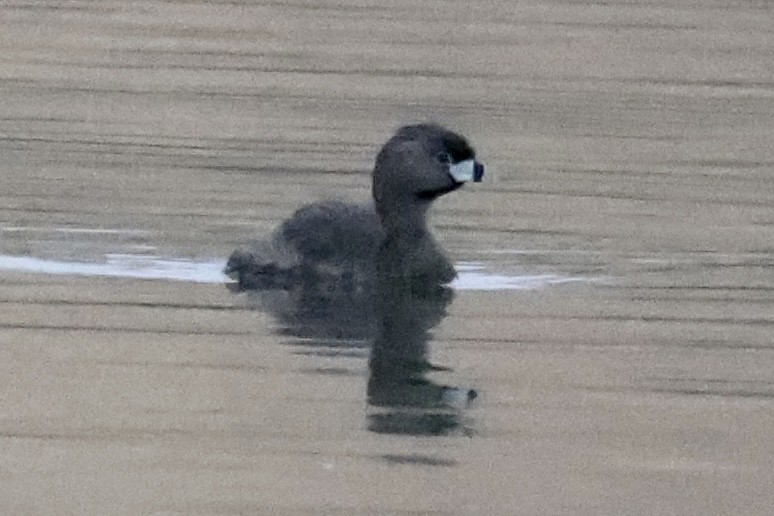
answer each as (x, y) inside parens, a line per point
(443, 158)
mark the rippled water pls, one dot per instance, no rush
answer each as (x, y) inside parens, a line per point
(471, 276)
(613, 312)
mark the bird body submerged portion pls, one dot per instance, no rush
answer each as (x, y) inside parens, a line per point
(349, 246)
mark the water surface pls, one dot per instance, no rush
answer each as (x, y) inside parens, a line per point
(625, 368)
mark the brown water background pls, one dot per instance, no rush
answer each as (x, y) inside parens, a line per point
(629, 142)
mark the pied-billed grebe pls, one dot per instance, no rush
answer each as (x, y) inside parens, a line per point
(352, 244)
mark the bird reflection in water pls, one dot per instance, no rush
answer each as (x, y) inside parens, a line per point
(410, 402)
(394, 321)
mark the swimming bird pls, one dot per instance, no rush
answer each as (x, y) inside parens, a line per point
(348, 246)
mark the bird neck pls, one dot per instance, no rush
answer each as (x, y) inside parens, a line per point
(405, 221)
